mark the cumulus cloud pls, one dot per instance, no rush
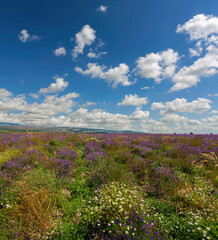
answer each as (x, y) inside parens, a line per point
(211, 119)
(83, 38)
(158, 66)
(174, 118)
(24, 36)
(203, 29)
(100, 119)
(102, 8)
(34, 95)
(4, 93)
(196, 52)
(151, 125)
(118, 75)
(96, 55)
(20, 111)
(93, 69)
(199, 27)
(206, 66)
(9, 103)
(59, 86)
(133, 100)
(213, 40)
(139, 114)
(114, 76)
(181, 105)
(61, 51)
(214, 112)
(88, 104)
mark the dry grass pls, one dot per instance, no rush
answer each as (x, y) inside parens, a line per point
(33, 210)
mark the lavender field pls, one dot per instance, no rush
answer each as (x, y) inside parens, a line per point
(108, 186)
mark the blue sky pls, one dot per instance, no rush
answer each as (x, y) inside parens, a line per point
(148, 66)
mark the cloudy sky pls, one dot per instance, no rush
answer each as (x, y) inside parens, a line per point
(149, 66)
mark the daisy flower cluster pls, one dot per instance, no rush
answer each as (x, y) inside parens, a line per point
(118, 211)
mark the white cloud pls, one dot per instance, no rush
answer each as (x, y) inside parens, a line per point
(93, 69)
(145, 88)
(139, 114)
(96, 55)
(196, 52)
(24, 36)
(213, 40)
(51, 105)
(59, 86)
(174, 118)
(199, 27)
(158, 66)
(88, 104)
(153, 126)
(9, 103)
(133, 100)
(85, 37)
(4, 93)
(214, 112)
(118, 75)
(213, 95)
(100, 119)
(181, 105)
(211, 119)
(102, 8)
(114, 76)
(206, 66)
(61, 51)
(204, 29)
(17, 110)
(34, 95)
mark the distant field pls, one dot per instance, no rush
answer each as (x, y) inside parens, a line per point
(108, 186)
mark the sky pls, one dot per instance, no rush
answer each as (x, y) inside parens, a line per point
(145, 66)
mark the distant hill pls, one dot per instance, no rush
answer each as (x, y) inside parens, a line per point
(9, 124)
(13, 127)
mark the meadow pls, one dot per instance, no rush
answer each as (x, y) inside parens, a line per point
(108, 186)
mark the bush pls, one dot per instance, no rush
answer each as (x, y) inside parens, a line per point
(119, 211)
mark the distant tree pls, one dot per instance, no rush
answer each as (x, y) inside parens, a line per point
(191, 132)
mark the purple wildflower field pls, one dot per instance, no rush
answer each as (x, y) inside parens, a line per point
(108, 186)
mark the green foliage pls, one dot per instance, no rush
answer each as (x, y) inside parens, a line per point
(7, 155)
(56, 143)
